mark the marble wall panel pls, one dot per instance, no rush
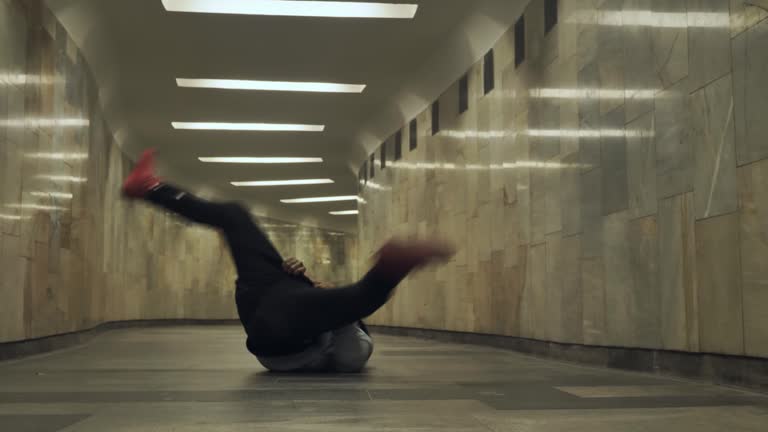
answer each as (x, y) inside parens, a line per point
(553, 284)
(641, 167)
(579, 30)
(73, 254)
(677, 274)
(640, 78)
(613, 155)
(646, 296)
(610, 53)
(709, 43)
(746, 13)
(572, 295)
(589, 117)
(592, 214)
(718, 261)
(593, 301)
(753, 221)
(750, 93)
(713, 137)
(571, 195)
(670, 42)
(620, 292)
(674, 149)
(645, 222)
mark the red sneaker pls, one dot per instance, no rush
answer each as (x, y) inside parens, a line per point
(400, 258)
(142, 179)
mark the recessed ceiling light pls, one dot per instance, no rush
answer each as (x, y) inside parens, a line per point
(345, 213)
(282, 182)
(320, 199)
(268, 127)
(261, 160)
(325, 9)
(287, 86)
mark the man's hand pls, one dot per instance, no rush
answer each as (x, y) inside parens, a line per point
(324, 285)
(294, 267)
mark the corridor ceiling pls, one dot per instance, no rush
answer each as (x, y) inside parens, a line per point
(137, 50)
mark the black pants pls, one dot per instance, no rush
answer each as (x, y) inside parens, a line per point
(282, 314)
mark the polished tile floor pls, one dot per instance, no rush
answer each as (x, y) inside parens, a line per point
(185, 379)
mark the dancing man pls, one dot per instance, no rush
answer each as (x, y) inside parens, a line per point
(292, 323)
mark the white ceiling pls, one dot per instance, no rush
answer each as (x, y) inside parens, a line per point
(136, 50)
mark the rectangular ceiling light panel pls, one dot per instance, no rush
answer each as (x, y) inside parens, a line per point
(285, 86)
(320, 9)
(265, 127)
(320, 199)
(282, 183)
(261, 160)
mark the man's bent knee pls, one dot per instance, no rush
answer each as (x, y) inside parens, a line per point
(352, 350)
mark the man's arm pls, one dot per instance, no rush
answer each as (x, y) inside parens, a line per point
(294, 267)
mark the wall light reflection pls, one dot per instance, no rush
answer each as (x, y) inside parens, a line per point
(592, 93)
(551, 133)
(37, 207)
(278, 226)
(62, 178)
(649, 18)
(57, 156)
(61, 195)
(490, 167)
(377, 186)
(28, 79)
(13, 217)
(588, 133)
(32, 122)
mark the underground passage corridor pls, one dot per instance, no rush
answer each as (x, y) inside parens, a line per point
(383, 215)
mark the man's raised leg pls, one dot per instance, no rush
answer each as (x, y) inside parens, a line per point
(253, 253)
(314, 311)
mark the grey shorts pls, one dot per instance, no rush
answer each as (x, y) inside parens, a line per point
(345, 350)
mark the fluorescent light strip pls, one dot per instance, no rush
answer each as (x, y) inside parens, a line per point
(266, 127)
(345, 213)
(320, 199)
(61, 195)
(323, 9)
(261, 160)
(287, 86)
(282, 182)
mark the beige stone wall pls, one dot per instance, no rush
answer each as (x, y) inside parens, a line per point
(72, 253)
(612, 190)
